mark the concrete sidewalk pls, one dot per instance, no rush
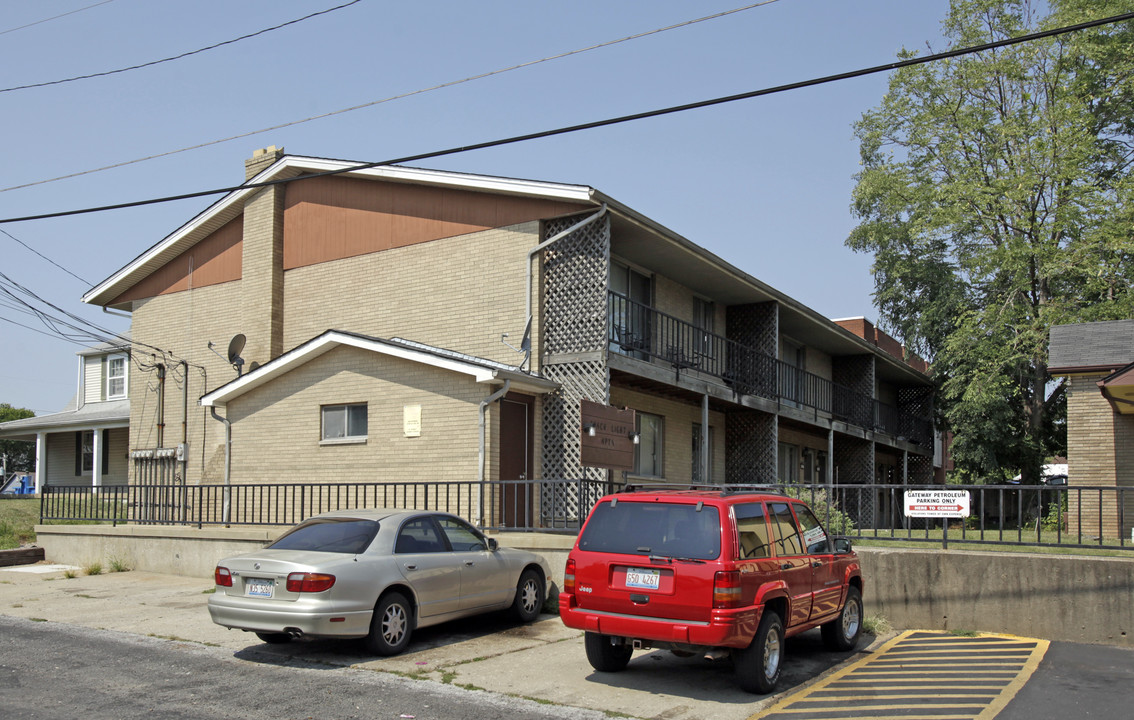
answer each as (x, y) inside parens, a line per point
(544, 661)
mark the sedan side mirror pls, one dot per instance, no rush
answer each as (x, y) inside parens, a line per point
(492, 544)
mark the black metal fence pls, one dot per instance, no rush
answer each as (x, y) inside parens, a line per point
(1030, 515)
(541, 505)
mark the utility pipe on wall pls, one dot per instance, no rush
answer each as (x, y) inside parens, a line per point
(480, 465)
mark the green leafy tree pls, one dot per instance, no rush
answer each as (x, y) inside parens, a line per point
(20, 454)
(996, 199)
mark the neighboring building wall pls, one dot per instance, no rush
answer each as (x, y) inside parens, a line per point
(62, 449)
(1100, 453)
(281, 422)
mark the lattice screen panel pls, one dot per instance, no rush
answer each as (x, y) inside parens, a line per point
(576, 270)
(920, 469)
(750, 448)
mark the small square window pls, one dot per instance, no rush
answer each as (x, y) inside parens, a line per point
(344, 422)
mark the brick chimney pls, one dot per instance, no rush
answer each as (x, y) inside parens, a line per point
(261, 283)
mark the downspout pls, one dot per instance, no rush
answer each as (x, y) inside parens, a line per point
(227, 509)
(480, 466)
(550, 241)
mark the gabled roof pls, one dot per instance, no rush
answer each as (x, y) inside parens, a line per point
(293, 166)
(1091, 347)
(1118, 389)
(480, 369)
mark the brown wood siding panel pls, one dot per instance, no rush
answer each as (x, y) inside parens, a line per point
(334, 218)
(216, 259)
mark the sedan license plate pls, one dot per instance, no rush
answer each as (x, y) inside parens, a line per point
(643, 578)
(259, 587)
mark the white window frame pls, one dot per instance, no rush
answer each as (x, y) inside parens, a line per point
(347, 438)
(125, 377)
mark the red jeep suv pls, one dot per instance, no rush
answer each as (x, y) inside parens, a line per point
(713, 571)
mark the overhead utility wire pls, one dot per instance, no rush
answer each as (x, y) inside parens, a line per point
(182, 55)
(392, 98)
(599, 123)
(54, 17)
(37, 252)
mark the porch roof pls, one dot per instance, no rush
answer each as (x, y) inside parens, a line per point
(99, 415)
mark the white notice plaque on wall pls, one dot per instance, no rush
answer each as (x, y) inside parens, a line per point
(411, 420)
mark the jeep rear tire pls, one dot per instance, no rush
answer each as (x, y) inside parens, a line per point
(606, 653)
(842, 632)
(758, 666)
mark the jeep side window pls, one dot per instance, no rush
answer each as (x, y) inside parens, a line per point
(814, 537)
(788, 541)
(752, 531)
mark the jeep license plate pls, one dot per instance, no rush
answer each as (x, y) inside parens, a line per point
(648, 578)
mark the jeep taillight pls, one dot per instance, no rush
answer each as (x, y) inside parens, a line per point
(726, 589)
(569, 577)
(301, 582)
(222, 576)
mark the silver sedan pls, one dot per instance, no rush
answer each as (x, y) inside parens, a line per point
(374, 574)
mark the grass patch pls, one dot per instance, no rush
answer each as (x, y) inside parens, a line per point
(70, 574)
(964, 633)
(875, 625)
(119, 565)
(1066, 546)
(94, 568)
(18, 517)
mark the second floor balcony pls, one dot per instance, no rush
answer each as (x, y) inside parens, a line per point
(637, 330)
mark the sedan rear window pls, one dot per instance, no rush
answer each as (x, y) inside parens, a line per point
(345, 535)
(635, 528)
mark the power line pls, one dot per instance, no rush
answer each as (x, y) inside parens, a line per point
(54, 17)
(392, 98)
(182, 55)
(37, 252)
(601, 123)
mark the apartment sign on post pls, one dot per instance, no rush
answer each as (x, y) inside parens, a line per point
(937, 503)
(608, 436)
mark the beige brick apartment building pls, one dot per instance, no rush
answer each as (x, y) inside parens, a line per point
(406, 324)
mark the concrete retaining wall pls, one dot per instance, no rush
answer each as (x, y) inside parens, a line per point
(1069, 598)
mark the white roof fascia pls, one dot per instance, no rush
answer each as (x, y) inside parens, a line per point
(332, 339)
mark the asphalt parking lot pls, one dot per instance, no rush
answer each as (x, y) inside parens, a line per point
(897, 675)
(543, 661)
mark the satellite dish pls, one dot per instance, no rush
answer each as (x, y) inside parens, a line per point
(235, 347)
(526, 342)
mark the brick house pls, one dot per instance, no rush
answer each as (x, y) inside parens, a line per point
(85, 443)
(403, 323)
(1097, 360)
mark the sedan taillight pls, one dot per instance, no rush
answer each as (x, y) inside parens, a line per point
(300, 582)
(222, 576)
(726, 589)
(569, 577)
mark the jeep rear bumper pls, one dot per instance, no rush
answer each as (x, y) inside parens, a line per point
(732, 628)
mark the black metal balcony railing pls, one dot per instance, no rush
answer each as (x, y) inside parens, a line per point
(639, 331)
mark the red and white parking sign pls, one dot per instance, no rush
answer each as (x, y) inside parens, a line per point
(937, 503)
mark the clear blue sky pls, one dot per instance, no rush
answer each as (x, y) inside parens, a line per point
(763, 183)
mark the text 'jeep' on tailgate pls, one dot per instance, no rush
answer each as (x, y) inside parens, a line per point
(709, 571)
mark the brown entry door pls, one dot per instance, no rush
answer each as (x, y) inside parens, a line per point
(516, 461)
